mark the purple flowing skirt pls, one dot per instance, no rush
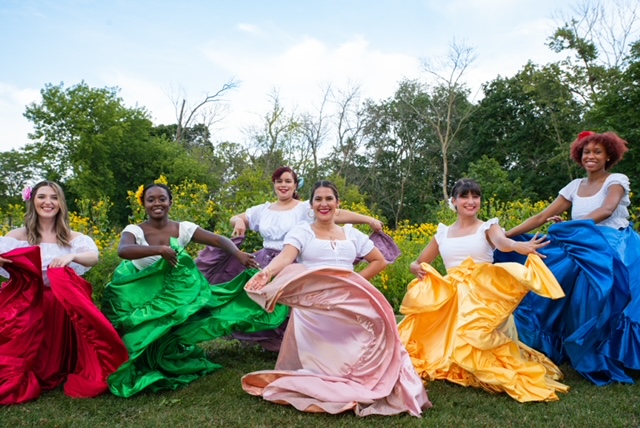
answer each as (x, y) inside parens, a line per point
(219, 267)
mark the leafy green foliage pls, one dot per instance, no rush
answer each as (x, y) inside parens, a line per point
(526, 124)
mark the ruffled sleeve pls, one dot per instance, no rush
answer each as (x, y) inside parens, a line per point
(7, 244)
(363, 244)
(441, 233)
(620, 179)
(570, 189)
(487, 224)
(254, 214)
(187, 229)
(299, 236)
(82, 244)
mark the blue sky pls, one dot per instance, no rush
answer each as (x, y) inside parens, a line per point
(158, 51)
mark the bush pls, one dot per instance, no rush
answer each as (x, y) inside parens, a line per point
(192, 202)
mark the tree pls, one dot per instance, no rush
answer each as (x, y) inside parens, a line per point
(349, 127)
(617, 110)
(16, 172)
(447, 108)
(207, 112)
(314, 129)
(86, 139)
(401, 165)
(526, 123)
(280, 141)
(598, 33)
(494, 180)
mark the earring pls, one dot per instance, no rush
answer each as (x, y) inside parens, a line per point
(311, 214)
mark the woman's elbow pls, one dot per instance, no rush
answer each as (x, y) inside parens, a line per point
(94, 260)
(381, 265)
(123, 253)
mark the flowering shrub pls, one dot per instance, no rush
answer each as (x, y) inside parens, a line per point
(411, 238)
(11, 218)
(192, 202)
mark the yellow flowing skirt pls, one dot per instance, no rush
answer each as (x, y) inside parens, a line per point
(460, 328)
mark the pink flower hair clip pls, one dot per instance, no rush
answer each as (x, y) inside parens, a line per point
(26, 193)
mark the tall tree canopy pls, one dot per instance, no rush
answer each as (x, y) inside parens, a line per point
(87, 139)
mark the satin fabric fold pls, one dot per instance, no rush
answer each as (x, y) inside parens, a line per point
(219, 266)
(341, 350)
(50, 336)
(459, 328)
(163, 312)
(596, 327)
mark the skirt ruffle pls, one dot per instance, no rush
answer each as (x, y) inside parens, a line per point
(163, 312)
(595, 327)
(51, 336)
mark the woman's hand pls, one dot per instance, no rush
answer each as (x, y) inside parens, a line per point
(169, 254)
(259, 280)
(376, 225)
(247, 260)
(3, 261)
(417, 270)
(239, 229)
(555, 219)
(239, 225)
(61, 261)
(532, 246)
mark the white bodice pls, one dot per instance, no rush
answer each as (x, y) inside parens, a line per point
(582, 206)
(49, 251)
(186, 231)
(273, 225)
(316, 252)
(454, 251)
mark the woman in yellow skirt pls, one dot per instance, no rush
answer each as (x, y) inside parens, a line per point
(460, 327)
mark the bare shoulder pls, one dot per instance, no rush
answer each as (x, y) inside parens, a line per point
(20, 234)
(75, 234)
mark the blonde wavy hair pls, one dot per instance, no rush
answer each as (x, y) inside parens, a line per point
(31, 219)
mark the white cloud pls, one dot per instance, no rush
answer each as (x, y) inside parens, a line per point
(300, 71)
(249, 28)
(12, 106)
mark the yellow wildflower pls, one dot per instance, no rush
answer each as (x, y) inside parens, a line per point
(162, 180)
(139, 194)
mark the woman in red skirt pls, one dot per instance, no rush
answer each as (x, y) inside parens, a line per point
(50, 331)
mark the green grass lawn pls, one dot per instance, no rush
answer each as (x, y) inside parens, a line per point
(217, 400)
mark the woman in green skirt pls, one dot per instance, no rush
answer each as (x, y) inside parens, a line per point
(163, 307)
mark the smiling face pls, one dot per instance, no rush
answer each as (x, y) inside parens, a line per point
(46, 202)
(468, 204)
(324, 204)
(157, 202)
(594, 157)
(285, 186)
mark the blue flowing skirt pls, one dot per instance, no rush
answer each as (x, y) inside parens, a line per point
(596, 327)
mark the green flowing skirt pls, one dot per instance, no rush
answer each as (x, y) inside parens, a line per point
(163, 312)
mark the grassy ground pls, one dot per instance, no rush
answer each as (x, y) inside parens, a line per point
(218, 401)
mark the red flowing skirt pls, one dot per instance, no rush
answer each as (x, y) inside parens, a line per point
(50, 336)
